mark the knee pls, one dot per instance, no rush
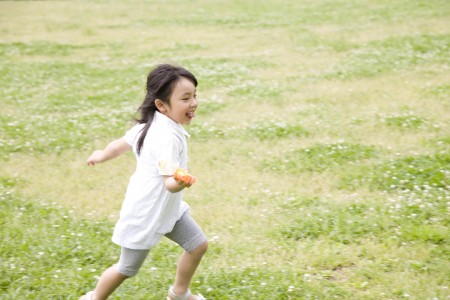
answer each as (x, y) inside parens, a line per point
(204, 247)
(201, 250)
(127, 271)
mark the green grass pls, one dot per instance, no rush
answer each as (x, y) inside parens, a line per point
(391, 54)
(424, 173)
(321, 145)
(320, 157)
(405, 121)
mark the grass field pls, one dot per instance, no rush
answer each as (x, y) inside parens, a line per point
(321, 145)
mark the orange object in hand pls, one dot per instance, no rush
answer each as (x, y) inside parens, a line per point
(183, 175)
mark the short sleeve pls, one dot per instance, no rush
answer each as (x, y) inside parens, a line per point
(168, 154)
(132, 134)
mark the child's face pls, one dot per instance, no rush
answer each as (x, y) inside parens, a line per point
(183, 102)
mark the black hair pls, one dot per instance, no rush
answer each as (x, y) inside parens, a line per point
(160, 84)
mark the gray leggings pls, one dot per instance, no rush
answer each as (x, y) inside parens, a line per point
(185, 233)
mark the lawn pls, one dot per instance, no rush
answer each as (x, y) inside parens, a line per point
(321, 145)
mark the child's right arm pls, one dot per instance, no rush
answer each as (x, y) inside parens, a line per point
(175, 185)
(112, 150)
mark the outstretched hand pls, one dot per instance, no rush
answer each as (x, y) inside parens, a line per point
(112, 150)
(95, 158)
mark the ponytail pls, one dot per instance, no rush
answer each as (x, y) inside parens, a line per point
(147, 110)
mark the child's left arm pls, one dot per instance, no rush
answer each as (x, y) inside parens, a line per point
(112, 150)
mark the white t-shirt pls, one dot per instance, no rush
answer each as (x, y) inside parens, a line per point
(149, 210)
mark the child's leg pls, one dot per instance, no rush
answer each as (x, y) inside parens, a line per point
(187, 265)
(129, 264)
(188, 235)
(107, 283)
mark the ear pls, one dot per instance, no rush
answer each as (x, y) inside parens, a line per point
(160, 105)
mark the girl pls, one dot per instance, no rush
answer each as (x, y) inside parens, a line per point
(153, 206)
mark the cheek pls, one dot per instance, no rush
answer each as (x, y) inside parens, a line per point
(185, 106)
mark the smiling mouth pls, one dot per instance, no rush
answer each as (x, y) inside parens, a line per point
(190, 114)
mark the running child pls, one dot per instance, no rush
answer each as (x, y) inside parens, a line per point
(153, 205)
